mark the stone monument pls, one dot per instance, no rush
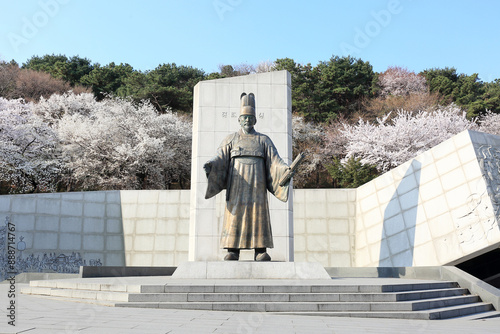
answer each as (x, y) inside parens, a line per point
(215, 116)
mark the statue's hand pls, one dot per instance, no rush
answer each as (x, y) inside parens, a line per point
(207, 167)
(292, 173)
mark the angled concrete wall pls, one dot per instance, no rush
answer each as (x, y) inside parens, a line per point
(440, 208)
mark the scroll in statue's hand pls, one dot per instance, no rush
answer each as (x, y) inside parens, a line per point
(291, 174)
(285, 179)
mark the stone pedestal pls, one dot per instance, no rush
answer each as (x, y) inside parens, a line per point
(250, 270)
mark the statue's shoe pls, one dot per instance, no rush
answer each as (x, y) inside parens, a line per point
(262, 257)
(231, 256)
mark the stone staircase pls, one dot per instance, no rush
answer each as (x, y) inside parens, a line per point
(381, 298)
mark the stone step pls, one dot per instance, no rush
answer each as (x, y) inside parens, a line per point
(295, 297)
(311, 306)
(78, 294)
(254, 288)
(475, 310)
(83, 300)
(435, 293)
(245, 297)
(460, 310)
(77, 285)
(418, 305)
(324, 288)
(481, 316)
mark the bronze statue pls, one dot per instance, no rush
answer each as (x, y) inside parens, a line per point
(247, 165)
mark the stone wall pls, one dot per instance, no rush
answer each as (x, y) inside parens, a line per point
(324, 226)
(155, 227)
(62, 231)
(59, 232)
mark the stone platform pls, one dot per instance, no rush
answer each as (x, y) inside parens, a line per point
(251, 270)
(122, 271)
(43, 314)
(339, 297)
(423, 293)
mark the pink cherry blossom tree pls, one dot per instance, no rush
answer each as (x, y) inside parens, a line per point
(399, 81)
(308, 138)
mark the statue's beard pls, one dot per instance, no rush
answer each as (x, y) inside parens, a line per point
(247, 128)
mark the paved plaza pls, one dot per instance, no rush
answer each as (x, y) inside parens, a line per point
(35, 314)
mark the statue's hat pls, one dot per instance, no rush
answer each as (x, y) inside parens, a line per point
(247, 104)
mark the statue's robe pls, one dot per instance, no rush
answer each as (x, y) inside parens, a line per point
(247, 166)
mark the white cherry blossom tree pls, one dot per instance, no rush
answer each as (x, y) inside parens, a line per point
(76, 141)
(490, 123)
(121, 145)
(388, 143)
(29, 152)
(56, 106)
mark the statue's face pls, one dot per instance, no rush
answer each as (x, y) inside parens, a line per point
(247, 122)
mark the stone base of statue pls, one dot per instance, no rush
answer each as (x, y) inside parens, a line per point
(250, 270)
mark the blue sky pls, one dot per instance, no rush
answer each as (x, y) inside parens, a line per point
(417, 34)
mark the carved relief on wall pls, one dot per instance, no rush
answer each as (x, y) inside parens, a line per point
(484, 203)
(489, 161)
(35, 262)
